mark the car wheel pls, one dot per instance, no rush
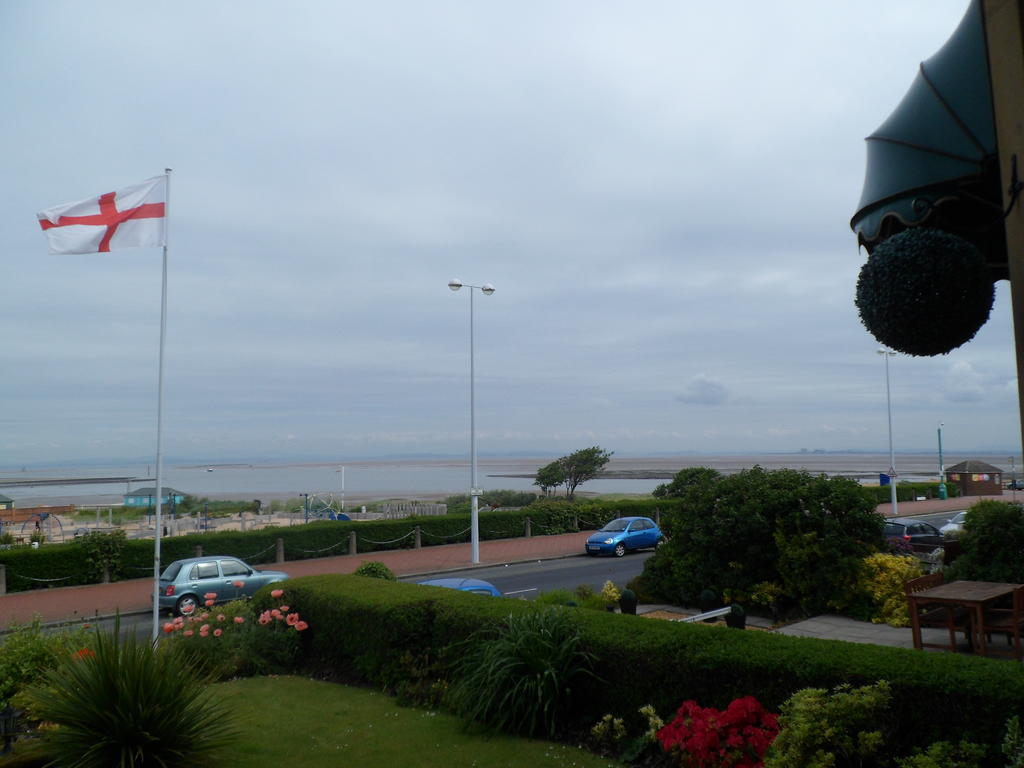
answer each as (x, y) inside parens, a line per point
(620, 549)
(186, 605)
(659, 545)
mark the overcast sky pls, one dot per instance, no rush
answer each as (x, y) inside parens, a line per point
(660, 193)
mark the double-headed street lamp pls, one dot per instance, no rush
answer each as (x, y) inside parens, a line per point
(474, 493)
(886, 354)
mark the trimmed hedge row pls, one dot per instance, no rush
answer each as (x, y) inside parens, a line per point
(62, 565)
(387, 633)
(910, 491)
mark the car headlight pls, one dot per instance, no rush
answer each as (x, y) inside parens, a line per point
(609, 541)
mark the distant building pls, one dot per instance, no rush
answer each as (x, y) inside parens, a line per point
(146, 497)
(976, 478)
(6, 502)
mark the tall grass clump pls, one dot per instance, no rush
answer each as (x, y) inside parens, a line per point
(122, 702)
(520, 677)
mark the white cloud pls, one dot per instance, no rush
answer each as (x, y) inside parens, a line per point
(963, 384)
(703, 390)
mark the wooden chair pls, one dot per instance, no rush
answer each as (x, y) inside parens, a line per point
(1006, 621)
(936, 615)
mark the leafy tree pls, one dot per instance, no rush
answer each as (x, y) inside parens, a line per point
(730, 534)
(684, 479)
(550, 476)
(583, 465)
(992, 540)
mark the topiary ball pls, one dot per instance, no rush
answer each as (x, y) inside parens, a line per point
(924, 292)
(375, 570)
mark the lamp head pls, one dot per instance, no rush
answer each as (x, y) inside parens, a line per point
(455, 284)
(487, 289)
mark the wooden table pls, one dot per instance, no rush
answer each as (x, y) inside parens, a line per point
(975, 596)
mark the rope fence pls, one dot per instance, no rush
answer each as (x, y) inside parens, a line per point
(523, 527)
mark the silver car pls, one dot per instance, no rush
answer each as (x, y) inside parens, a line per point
(186, 585)
(955, 525)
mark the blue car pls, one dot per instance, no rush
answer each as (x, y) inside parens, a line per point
(186, 584)
(623, 535)
(477, 586)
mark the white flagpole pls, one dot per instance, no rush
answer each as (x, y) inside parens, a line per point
(160, 415)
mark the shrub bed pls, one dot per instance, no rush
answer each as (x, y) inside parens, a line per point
(383, 633)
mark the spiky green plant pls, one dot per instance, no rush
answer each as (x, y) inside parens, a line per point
(122, 702)
(520, 677)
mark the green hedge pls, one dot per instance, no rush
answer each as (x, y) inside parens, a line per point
(387, 633)
(62, 565)
(910, 491)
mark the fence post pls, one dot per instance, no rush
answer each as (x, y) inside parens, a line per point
(657, 516)
(279, 554)
(106, 575)
(3, 579)
(241, 515)
(419, 540)
(199, 550)
(529, 527)
(352, 543)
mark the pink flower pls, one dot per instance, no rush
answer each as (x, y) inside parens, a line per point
(283, 609)
(292, 619)
(301, 625)
(221, 617)
(210, 596)
(276, 593)
(218, 632)
(265, 617)
(204, 628)
(239, 619)
(169, 627)
(239, 584)
(187, 633)
(209, 603)
(277, 614)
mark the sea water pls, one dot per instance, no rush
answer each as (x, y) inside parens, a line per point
(433, 478)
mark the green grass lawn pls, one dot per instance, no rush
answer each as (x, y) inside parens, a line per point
(295, 721)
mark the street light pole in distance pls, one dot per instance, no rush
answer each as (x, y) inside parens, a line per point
(474, 492)
(886, 354)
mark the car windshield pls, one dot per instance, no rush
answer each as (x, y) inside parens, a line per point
(615, 525)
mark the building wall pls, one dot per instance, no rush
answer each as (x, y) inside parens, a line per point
(977, 483)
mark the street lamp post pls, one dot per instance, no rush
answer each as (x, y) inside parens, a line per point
(942, 470)
(305, 506)
(474, 493)
(886, 354)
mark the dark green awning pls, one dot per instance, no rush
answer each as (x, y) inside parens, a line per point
(934, 160)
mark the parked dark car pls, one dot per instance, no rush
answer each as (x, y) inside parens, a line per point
(185, 584)
(624, 534)
(916, 533)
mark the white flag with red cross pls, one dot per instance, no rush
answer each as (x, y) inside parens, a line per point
(131, 217)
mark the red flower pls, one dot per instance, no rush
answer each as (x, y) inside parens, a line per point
(737, 737)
